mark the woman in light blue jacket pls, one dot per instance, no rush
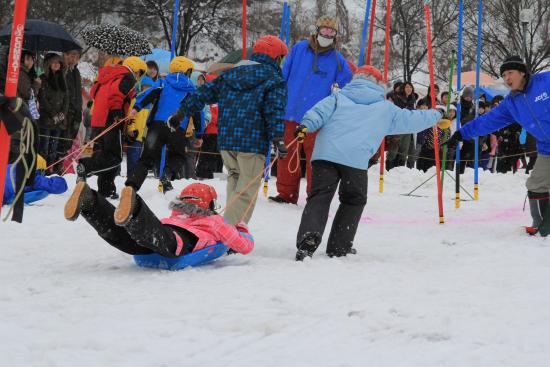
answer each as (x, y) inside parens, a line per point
(351, 126)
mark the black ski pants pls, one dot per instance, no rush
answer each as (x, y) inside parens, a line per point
(144, 234)
(106, 158)
(353, 197)
(158, 135)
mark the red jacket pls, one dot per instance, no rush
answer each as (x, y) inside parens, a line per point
(212, 127)
(113, 91)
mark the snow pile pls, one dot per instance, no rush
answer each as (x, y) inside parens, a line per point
(473, 292)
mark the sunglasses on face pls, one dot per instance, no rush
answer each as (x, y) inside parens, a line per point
(327, 32)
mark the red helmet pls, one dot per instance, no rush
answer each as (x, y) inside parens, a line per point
(271, 46)
(370, 70)
(200, 194)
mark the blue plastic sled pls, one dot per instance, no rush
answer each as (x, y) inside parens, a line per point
(196, 258)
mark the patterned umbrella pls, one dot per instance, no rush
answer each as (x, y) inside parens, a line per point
(117, 40)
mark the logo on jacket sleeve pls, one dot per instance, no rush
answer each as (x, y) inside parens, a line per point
(543, 97)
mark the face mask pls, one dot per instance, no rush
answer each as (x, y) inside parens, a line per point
(323, 41)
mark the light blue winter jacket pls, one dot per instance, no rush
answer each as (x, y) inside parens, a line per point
(353, 122)
(531, 109)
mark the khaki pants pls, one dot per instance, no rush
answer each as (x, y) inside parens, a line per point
(242, 168)
(539, 180)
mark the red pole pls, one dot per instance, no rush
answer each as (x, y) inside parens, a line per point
(371, 31)
(386, 67)
(436, 139)
(16, 45)
(244, 29)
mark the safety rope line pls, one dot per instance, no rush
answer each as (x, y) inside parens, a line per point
(83, 148)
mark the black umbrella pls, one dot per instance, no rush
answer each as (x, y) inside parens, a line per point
(41, 35)
(117, 40)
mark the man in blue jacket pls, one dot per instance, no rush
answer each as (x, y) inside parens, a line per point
(529, 105)
(311, 69)
(251, 100)
(352, 123)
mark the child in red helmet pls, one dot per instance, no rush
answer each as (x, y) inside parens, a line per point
(192, 225)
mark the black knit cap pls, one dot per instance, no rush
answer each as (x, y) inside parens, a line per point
(513, 63)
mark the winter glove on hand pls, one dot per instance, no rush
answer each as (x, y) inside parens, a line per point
(242, 227)
(280, 148)
(131, 132)
(174, 121)
(300, 133)
(453, 141)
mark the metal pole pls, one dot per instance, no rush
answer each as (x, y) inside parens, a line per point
(386, 67)
(458, 105)
(478, 67)
(364, 35)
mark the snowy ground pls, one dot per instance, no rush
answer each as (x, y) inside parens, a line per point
(474, 292)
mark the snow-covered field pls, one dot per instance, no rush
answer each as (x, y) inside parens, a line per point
(474, 292)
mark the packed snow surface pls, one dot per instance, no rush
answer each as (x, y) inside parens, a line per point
(472, 292)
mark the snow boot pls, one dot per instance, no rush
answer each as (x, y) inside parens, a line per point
(80, 173)
(351, 251)
(538, 205)
(82, 197)
(165, 185)
(544, 228)
(278, 199)
(125, 209)
(307, 245)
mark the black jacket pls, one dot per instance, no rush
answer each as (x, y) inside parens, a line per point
(54, 99)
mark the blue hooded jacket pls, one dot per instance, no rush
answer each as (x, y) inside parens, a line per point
(353, 122)
(251, 101)
(40, 188)
(307, 86)
(529, 108)
(172, 91)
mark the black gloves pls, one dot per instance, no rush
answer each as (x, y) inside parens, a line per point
(174, 121)
(300, 133)
(453, 141)
(280, 147)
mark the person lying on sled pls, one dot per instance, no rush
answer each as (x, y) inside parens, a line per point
(40, 188)
(134, 229)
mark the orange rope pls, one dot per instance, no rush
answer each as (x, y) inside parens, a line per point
(295, 154)
(83, 148)
(239, 194)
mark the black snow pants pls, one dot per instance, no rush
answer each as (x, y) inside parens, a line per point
(143, 234)
(210, 160)
(353, 198)
(158, 135)
(106, 158)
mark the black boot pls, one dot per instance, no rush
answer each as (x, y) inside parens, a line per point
(307, 245)
(165, 185)
(538, 204)
(80, 173)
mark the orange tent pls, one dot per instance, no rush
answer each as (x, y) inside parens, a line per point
(469, 78)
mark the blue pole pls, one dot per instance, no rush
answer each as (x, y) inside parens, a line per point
(458, 105)
(175, 21)
(478, 66)
(283, 21)
(287, 24)
(364, 35)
